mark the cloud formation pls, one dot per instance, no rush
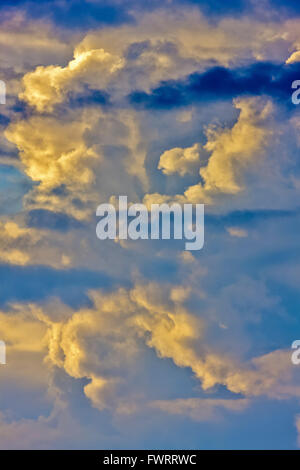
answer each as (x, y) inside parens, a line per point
(232, 151)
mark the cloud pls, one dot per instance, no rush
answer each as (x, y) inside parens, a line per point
(52, 153)
(84, 148)
(24, 43)
(294, 57)
(297, 423)
(135, 350)
(139, 56)
(79, 15)
(237, 232)
(14, 240)
(47, 86)
(201, 409)
(232, 152)
(23, 246)
(44, 219)
(104, 343)
(220, 83)
(71, 156)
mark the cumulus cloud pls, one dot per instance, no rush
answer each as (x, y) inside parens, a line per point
(55, 154)
(197, 41)
(141, 55)
(297, 423)
(237, 232)
(80, 153)
(71, 157)
(180, 160)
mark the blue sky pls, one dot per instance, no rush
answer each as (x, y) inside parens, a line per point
(140, 344)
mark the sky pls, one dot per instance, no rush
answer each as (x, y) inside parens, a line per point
(140, 344)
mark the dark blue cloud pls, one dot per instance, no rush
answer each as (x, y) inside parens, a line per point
(4, 120)
(222, 83)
